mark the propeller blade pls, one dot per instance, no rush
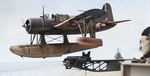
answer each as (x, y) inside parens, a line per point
(22, 20)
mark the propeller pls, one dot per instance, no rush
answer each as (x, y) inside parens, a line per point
(26, 25)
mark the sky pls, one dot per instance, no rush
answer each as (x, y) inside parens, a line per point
(125, 36)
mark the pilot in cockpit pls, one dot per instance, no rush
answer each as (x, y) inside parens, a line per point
(53, 17)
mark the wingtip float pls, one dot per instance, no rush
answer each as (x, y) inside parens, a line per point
(89, 41)
(91, 21)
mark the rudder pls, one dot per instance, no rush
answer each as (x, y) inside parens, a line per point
(107, 8)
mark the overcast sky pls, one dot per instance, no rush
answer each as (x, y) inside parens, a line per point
(125, 36)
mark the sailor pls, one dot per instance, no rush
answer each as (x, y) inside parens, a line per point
(145, 46)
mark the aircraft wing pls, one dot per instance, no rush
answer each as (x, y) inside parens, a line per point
(65, 25)
(97, 15)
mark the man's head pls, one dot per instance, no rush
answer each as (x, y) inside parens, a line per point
(145, 45)
(145, 42)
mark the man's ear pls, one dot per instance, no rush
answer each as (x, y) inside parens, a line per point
(148, 38)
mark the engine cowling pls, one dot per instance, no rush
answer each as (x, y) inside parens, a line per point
(37, 25)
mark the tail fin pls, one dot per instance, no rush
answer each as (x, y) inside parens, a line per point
(107, 8)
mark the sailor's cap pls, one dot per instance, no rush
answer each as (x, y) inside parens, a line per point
(146, 32)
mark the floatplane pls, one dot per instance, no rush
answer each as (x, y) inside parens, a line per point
(88, 22)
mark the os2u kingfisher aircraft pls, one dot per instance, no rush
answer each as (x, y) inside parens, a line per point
(90, 21)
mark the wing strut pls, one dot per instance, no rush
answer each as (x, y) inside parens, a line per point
(84, 28)
(80, 28)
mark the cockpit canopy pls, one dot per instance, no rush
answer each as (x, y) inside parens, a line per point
(59, 17)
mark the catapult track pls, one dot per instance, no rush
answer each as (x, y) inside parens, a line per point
(100, 65)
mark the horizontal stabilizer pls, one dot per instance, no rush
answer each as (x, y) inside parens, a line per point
(114, 22)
